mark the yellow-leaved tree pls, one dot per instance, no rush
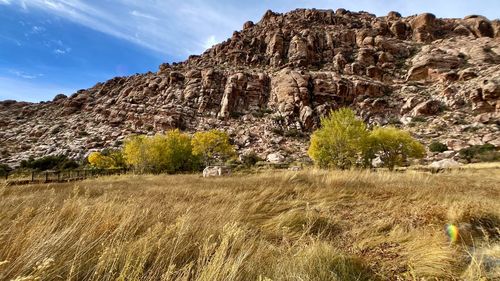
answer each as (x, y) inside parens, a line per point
(101, 161)
(340, 142)
(394, 146)
(170, 152)
(212, 146)
(135, 154)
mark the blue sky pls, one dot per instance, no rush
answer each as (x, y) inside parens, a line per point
(60, 46)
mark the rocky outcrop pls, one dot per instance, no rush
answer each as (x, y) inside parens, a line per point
(270, 83)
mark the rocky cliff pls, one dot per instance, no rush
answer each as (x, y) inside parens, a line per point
(269, 84)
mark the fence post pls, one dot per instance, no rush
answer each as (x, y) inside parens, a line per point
(32, 176)
(46, 176)
(58, 175)
(6, 175)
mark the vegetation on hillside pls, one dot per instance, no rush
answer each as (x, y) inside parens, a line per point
(340, 141)
(176, 151)
(343, 141)
(212, 146)
(107, 159)
(436, 146)
(171, 152)
(53, 162)
(393, 146)
(310, 225)
(480, 153)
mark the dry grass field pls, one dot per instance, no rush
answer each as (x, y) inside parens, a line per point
(308, 225)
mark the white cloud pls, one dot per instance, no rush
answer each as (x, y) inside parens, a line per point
(62, 51)
(5, 2)
(24, 74)
(38, 29)
(180, 28)
(142, 15)
(175, 28)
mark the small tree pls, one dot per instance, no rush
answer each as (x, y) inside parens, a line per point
(212, 145)
(134, 152)
(340, 142)
(394, 146)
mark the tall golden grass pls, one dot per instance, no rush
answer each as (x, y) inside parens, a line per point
(308, 225)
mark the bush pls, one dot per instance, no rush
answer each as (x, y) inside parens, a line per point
(340, 142)
(277, 131)
(484, 153)
(4, 170)
(212, 146)
(250, 159)
(57, 162)
(169, 153)
(436, 146)
(394, 146)
(294, 133)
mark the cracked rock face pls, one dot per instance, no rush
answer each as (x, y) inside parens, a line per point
(269, 84)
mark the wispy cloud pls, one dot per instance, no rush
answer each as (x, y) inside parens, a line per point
(62, 51)
(174, 28)
(24, 74)
(38, 29)
(143, 15)
(180, 28)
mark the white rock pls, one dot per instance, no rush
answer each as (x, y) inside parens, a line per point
(445, 164)
(377, 162)
(216, 171)
(275, 158)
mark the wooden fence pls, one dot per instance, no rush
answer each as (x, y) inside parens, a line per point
(36, 177)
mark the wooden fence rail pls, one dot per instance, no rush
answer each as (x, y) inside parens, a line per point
(34, 177)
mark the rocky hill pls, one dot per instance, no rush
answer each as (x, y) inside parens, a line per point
(269, 84)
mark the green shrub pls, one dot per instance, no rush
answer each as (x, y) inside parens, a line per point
(250, 159)
(485, 153)
(4, 170)
(294, 133)
(277, 131)
(236, 114)
(436, 146)
(53, 162)
(418, 119)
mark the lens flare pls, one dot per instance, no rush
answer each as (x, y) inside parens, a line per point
(452, 232)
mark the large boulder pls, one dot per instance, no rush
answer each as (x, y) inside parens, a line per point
(480, 26)
(425, 108)
(423, 27)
